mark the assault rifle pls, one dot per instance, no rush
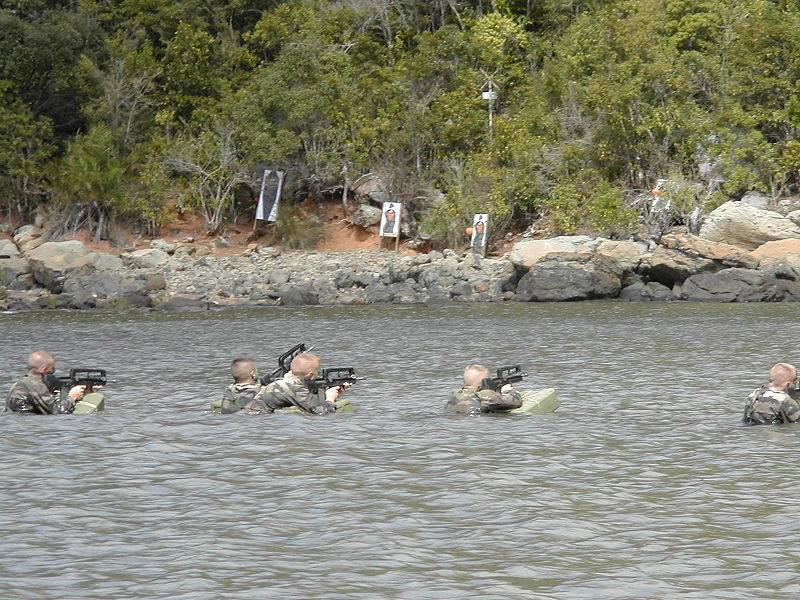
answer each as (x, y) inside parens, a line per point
(285, 363)
(336, 377)
(505, 375)
(91, 378)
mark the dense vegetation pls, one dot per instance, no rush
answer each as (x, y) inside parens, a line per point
(135, 110)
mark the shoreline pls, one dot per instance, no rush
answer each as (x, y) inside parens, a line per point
(186, 275)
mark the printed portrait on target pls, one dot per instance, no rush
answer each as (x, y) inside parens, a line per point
(390, 219)
(480, 230)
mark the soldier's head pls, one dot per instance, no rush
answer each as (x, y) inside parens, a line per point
(305, 365)
(243, 370)
(783, 376)
(41, 363)
(474, 375)
(479, 227)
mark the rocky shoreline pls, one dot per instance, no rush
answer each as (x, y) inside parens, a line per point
(759, 261)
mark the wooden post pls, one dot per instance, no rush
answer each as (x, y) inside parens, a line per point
(397, 237)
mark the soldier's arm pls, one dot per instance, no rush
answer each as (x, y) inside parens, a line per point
(492, 401)
(790, 411)
(23, 399)
(228, 402)
(312, 402)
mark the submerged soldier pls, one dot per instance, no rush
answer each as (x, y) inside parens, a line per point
(244, 388)
(296, 388)
(31, 394)
(771, 404)
(475, 398)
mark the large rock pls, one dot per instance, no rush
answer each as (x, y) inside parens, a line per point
(556, 280)
(28, 237)
(527, 253)
(726, 255)
(13, 271)
(779, 251)
(8, 248)
(756, 200)
(668, 267)
(51, 261)
(641, 292)
(298, 295)
(621, 256)
(742, 285)
(89, 288)
(101, 261)
(746, 226)
(149, 258)
(366, 216)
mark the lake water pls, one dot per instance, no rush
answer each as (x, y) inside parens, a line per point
(642, 485)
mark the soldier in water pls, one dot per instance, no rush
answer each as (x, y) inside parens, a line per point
(32, 395)
(771, 404)
(244, 388)
(296, 389)
(475, 398)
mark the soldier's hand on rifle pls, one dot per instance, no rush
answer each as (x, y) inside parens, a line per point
(77, 392)
(332, 394)
(507, 389)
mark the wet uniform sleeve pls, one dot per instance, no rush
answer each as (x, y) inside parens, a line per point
(492, 401)
(790, 411)
(312, 402)
(228, 402)
(24, 400)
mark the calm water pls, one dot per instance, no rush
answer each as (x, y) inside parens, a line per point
(643, 485)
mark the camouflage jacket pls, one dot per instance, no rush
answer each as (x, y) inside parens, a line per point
(765, 407)
(235, 397)
(30, 395)
(471, 401)
(287, 392)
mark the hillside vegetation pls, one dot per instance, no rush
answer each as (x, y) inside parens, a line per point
(136, 110)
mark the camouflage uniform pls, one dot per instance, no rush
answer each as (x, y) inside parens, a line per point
(235, 398)
(287, 392)
(472, 401)
(31, 396)
(766, 407)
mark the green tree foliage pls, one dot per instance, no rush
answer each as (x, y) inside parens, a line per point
(142, 108)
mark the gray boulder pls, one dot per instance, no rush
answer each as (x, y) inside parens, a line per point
(378, 293)
(636, 292)
(51, 262)
(11, 269)
(100, 261)
(298, 295)
(164, 246)
(668, 266)
(149, 258)
(461, 291)
(344, 279)
(660, 293)
(279, 277)
(756, 200)
(641, 292)
(729, 285)
(557, 280)
(8, 247)
(365, 216)
(403, 293)
(746, 226)
(527, 253)
(28, 237)
(89, 288)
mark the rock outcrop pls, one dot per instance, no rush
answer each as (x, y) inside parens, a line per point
(747, 226)
(51, 262)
